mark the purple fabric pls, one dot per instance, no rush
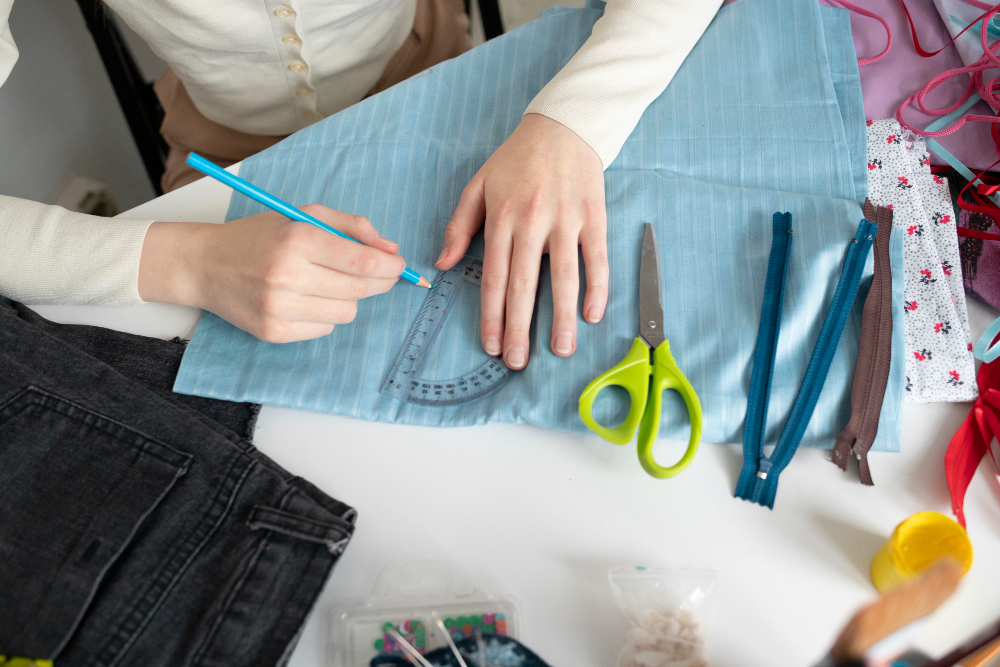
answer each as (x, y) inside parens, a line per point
(887, 83)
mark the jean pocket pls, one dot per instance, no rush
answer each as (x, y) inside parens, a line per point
(74, 488)
(280, 574)
(332, 532)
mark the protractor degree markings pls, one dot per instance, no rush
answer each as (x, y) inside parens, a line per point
(405, 381)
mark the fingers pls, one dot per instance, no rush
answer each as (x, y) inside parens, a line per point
(594, 242)
(565, 272)
(301, 308)
(525, 264)
(464, 224)
(286, 331)
(291, 317)
(332, 252)
(319, 281)
(357, 227)
(285, 281)
(374, 257)
(493, 288)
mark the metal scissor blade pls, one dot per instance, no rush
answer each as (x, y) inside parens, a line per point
(650, 301)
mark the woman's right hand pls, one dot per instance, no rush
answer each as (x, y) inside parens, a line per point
(280, 280)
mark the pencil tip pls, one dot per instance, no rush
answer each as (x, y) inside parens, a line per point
(423, 282)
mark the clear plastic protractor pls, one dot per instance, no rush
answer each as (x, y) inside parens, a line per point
(406, 381)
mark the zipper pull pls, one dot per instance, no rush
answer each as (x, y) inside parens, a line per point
(759, 487)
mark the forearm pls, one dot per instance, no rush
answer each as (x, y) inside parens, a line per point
(51, 255)
(631, 56)
(171, 267)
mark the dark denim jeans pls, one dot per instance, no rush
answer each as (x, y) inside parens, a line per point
(138, 526)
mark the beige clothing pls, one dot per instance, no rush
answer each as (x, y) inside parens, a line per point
(440, 32)
(270, 67)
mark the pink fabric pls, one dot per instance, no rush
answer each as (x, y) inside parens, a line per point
(885, 84)
(975, 73)
(863, 60)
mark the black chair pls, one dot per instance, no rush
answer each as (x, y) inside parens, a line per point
(143, 111)
(489, 11)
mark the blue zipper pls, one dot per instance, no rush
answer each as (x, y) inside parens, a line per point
(759, 479)
(755, 428)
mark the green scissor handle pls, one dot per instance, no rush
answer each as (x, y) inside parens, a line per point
(632, 375)
(666, 375)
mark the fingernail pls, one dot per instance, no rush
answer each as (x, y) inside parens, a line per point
(594, 314)
(515, 357)
(389, 241)
(492, 345)
(564, 343)
(441, 257)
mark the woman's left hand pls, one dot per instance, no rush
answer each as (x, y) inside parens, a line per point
(541, 192)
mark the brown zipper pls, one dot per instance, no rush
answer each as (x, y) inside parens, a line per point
(871, 374)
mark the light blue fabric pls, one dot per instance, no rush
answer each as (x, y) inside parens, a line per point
(765, 115)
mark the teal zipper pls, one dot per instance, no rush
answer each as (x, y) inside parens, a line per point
(755, 428)
(758, 481)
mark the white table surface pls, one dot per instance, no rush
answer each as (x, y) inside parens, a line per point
(541, 515)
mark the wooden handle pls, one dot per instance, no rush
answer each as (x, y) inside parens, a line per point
(984, 656)
(897, 609)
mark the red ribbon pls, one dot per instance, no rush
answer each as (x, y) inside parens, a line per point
(980, 205)
(972, 440)
(916, 42)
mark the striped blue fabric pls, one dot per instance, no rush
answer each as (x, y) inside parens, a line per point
(764, 115)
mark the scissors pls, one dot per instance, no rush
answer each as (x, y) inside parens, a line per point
(649, 362)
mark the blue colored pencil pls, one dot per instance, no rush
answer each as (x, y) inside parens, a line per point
(267, 199)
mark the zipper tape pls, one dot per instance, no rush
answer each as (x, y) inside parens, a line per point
(755, 426)
(762, 487)
(871, 374)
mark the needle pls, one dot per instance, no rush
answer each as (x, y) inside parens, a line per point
(447, 636)
(409, 649)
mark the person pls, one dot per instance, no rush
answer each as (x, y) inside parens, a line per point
(243, 75)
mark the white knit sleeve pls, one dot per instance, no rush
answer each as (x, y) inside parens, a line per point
(51, 255)
(631, 56)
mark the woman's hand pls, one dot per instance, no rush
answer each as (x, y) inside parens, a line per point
(541, 191)
(280, 280)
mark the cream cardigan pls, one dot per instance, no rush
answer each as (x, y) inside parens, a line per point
(275, 66)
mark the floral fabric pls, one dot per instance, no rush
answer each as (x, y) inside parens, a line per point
(939, 362)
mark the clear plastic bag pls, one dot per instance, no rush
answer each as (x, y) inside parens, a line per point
(668, 610)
